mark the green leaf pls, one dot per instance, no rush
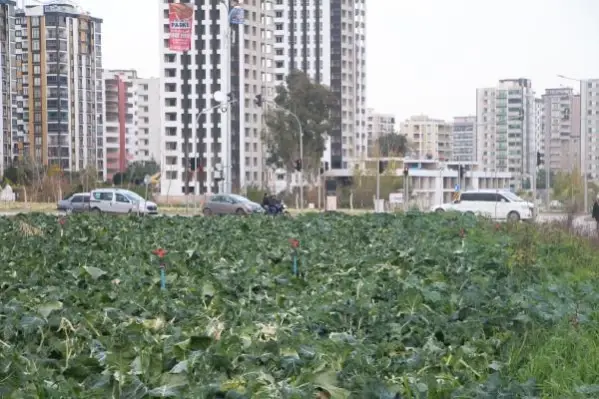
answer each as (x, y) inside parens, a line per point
(164, 392)
(208, 289)
(47, 308)
(328, 382)
(94, 272)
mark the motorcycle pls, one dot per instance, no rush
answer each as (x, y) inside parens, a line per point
(276, 208)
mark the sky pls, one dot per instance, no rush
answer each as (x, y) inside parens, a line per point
(423, 56)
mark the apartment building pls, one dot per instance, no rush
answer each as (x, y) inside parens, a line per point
(429, 138)
(193, 122)
(589, 127)
(377, 125)
(131, 120)
(561, 122)
(539, 125)
(506, 128)
(463, 139)
(59, 98)
(120, 120)
(148, 128)
(7, 81)
(326, 40)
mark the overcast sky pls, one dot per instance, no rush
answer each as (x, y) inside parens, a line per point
(423, 56)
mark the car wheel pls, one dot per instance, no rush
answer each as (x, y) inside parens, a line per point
(207, 212)
(97, 211)
(513, 216)
(439, 210)
(470, 214)
(240, 212)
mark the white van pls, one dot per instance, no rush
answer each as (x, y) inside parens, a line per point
(119, 201)
(496, 204)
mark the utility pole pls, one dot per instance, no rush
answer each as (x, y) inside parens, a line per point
(406, 190)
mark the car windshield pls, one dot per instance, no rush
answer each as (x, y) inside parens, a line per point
(133, 196)
(238, 198)
(512, 197)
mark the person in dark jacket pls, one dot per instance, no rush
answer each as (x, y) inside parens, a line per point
(595, 213)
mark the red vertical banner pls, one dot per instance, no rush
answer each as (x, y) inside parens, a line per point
(180, 17)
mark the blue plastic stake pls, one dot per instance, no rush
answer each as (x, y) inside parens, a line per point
(162, 277)
(295, 263)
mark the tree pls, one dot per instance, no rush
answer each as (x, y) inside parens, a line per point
(136, 172)
(392, 144)
(312, 104)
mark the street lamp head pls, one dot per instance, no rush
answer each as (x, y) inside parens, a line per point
(219, 96)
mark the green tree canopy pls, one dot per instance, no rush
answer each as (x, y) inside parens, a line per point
(312, 103)
(392, 144)
(136, 171)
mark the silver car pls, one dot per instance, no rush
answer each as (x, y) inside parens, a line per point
(119, 201)
(230, 204)
(76, 203)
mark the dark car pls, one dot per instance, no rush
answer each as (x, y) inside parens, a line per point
(230, 204)
(76, 203)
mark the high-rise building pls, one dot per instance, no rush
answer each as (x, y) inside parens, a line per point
(148, 128)
(429, 138)
(463, 139)
(378, 124)
(561, 125)
(59, 86)
(539, 125)
(589, 127)
(506, 134)
(8, 70)
(194, 125)
(131, 120)
(326, 40)
(120, 120)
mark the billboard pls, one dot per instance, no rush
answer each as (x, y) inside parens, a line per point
(180, 18)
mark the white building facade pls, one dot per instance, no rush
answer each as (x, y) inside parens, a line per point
(429, 138)
(149, 127)
(193, 124)
(561, 127)
(326, 39)
(506, 125)
(377, 125)
(463, 139)
(589, 127)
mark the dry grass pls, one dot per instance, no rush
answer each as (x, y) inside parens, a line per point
(27, 206)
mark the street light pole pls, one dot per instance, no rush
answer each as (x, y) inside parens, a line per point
(226, 88)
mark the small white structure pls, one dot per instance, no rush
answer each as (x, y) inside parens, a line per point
(7, 194)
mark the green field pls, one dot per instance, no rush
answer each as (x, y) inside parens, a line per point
(385, 306)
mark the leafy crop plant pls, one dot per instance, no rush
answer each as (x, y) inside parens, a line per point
(382, 306)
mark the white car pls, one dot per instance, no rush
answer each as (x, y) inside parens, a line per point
(496, 204)
(119, 201)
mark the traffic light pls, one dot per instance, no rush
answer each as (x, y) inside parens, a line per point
(258, 100)
(406, 171)
(324, 166)
(539, 159)
(298, 165)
